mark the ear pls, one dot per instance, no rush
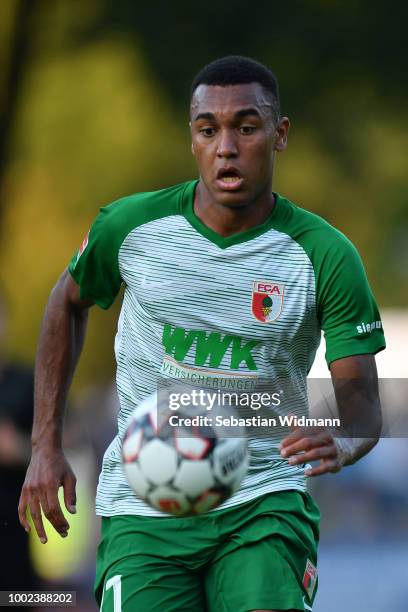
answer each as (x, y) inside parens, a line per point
(282, 131)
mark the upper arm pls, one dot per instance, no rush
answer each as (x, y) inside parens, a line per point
(355, 366)
(95, 266)
(67, 292)
(347, 311)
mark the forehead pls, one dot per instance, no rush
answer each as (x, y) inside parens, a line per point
(219, 100)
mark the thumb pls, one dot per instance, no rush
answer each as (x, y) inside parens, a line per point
(68, 484)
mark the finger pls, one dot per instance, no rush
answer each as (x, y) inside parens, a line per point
(326, 466)
(301, 445)
(304, 432)
(306, 443)
(69, 484)
(55, 514)
(44, 503)
(301, 432)
(35, 510)
(321, 452)
(295, 435)
(49, 514)
(22, 513)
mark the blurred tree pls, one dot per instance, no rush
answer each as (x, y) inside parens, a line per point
(17, 30)
(97, 99)
(314, 44)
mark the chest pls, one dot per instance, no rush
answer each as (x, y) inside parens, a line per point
(259, 288)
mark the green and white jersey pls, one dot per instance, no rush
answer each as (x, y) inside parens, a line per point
(201, 306)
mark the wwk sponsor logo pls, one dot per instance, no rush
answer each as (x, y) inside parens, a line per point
(209, 348)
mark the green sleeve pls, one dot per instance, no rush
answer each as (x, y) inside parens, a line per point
(95, 265)
(346, 308)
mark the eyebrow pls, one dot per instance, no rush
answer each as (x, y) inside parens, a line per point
(244, 112)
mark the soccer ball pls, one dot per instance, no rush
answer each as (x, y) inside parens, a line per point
(180, 470)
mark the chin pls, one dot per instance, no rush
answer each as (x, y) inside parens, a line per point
(232, 199)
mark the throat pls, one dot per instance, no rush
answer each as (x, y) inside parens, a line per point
(229, 220)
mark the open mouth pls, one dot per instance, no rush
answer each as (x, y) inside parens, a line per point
(229, 179)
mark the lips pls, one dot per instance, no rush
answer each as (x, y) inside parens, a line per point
(229, 178)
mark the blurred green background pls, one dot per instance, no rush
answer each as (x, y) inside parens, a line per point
(93, 106)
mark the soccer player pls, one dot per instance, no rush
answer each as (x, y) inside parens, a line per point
(220, 274)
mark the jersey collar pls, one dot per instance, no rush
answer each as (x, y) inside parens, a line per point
(223, 241)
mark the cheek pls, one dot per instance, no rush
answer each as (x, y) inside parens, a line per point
(203, 155)
(261, 157)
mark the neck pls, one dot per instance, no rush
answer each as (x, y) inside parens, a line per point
(228, 220)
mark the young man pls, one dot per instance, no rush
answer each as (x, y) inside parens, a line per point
(198, 261)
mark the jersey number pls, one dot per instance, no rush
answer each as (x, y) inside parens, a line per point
(115, 583)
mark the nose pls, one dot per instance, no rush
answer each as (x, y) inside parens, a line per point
(227, 146)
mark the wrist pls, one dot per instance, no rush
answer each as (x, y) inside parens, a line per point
(345, 450)
(349, 449)
(46, 445)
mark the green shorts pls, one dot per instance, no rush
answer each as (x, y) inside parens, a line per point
(258, 555)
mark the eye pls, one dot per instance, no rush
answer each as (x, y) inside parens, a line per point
(246, 130)
(207, 131)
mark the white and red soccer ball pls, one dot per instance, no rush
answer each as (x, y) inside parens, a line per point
(180, 470)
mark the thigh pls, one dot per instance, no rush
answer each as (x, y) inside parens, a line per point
(143, 582)
(256, 576)
(148, 564)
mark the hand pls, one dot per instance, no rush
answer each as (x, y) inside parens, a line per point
(313, 444)
(48, 470)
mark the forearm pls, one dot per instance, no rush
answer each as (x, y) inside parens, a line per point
(60, 344)
(359, 408)
(356, 389)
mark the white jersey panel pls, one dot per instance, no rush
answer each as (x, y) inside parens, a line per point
(176, 278)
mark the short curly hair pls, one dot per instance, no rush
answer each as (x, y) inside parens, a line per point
(238, 70)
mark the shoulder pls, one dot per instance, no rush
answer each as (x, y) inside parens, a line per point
(139, 208)
(318, 238)
(96, 262)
